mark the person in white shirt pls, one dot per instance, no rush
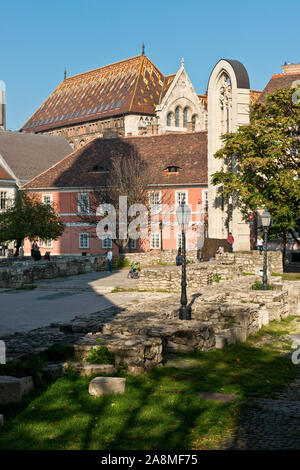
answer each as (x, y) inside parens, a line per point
(260, 244)
(108, 260)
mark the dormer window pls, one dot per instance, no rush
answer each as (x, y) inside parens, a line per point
(173, 169)
(98, 169)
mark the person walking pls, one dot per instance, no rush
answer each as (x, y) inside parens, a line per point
(108, 260)
(230, 241)
(260, 244)
(179, 258)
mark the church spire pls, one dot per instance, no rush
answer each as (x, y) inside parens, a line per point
(182, 62)
(65, 74)
(143, 49)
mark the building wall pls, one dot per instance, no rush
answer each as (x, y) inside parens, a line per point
(66, 203)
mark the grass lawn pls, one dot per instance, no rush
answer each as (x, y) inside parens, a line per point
(159, 410)
(288, 276)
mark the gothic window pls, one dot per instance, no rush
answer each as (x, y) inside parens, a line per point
(185, 112)
(177, 116)
(194, 119)
(169, 119)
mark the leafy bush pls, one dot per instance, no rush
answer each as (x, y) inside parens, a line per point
(258, 286)
(217, 278)
(100, 355)
(124, 263)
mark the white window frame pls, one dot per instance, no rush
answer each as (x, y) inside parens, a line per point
(204, 198)
(178, 240)
(50, 196)
(105, 238)
(87, 235)
(155, 206)
(131, 245)
(80, 208)
(177, 197)
(46, 243)
(4, 199)
(155, 241)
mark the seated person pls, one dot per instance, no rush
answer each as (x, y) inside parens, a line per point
(220, 250)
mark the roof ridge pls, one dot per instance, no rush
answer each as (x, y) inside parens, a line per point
(102, 67)
(136, 83)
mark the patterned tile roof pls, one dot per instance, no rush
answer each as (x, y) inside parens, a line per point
(283, 80)
(254, 95)
(188, 151)
(203, 100)
(130, 86)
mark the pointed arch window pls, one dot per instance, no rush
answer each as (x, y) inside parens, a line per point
(185, 114)
(169, 119)
(177, 116)
(194, 119)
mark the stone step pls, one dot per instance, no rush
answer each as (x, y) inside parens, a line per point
(12, 389)
(54, 371)
(107, 386)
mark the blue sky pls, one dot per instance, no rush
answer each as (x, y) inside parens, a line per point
(39, 39)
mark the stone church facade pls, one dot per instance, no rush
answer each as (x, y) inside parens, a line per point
(132, 98)
(129, 98)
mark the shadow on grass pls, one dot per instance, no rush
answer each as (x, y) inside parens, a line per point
(159, 410)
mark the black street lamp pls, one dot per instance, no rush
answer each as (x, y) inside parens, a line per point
(183, 213)
(265, 221)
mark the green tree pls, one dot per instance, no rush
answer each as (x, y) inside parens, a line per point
(261, 162)
(29, 218)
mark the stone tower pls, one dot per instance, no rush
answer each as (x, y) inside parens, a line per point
(228, 108)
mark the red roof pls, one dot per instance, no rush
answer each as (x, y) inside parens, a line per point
(130, 86)
(188, 151)
(4, 175)
(283, 80)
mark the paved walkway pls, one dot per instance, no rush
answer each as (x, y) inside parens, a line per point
(61, 299)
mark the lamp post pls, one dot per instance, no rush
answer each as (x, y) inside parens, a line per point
(183, 213)
(265, 221)
(161, 234)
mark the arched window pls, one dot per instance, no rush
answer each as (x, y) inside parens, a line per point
(185, 113)
(194, 119)
(169, 119)
(177, 116)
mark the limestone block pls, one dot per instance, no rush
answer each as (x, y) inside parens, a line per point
(136, 370)
(107, 385)
(26, 385)
(221, 341)
(10, 390)
(86, 369)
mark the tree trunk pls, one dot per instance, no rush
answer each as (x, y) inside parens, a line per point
(18, 246)
(284, 242)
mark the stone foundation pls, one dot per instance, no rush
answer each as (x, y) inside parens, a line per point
(15, 273)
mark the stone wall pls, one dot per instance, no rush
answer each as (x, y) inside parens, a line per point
(15, 272)
(169, 278)
(227, 266)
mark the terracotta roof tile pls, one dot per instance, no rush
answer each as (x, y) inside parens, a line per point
(4, 175)
(277, 81)
(185, 150)
(132, 85)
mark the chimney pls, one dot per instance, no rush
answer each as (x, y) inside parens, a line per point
(290, 68)
(2, 106)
